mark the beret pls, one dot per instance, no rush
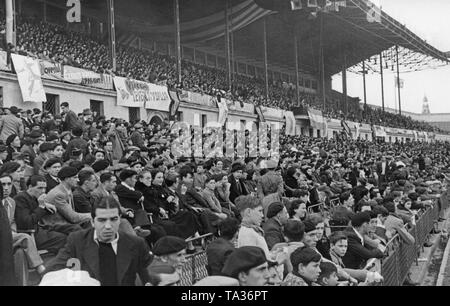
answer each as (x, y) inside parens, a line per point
(66, 172)
(35, 134)
(100, 165)
(243, 259)
(237, 167)
(158, 162)
(169, 245)
(274, 209)
(218, 280)
(309, 226)
(9, 167)
(52, 137)
(50, 162)
(46, 146)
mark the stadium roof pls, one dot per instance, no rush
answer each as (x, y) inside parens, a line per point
(348, 31)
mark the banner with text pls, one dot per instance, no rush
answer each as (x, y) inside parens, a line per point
(158, 98)
(29, 77)
(131, 93)
(87, 78)
(51, 70)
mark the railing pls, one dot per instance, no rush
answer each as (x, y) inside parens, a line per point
(401, 256)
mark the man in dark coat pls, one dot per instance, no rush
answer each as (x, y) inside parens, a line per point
(357, 254)
(112, 258)
(273, 228)
(7, 277)
(76, 143)
(70, 119)
(237, 187)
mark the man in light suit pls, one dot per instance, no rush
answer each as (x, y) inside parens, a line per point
(66, 220)
(111, 257)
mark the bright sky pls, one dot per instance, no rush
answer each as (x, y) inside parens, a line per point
(430, 20)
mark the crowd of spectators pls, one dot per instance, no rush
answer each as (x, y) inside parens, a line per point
(107, 191)
(55, 43)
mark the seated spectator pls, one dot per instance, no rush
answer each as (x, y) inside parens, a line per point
(52, 167)
(82, 194)
(66, 219)
(218, 250)
(170, 251)
(251, 233)
(273, 226)
(247, 264)
(210, 197)
(357, 254)
(297, 210)
(328, 275)
(120, 257)
(306, 268)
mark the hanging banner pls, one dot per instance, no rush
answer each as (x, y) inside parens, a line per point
(51, 70)
(272, 113)
(290, 123)
(87, 78)
(223, 111)
(380, 131)
(316, 119)
(131, 93)
(174, 104)
(158, 98)
(29, 77)
(4, 61)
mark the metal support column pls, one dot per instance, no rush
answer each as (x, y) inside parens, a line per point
(112, 34)
(364, 85)
(398, 83)
(382, 81)
(176, 5)
(227, 45)
(297, 76)
(344, 84)
(266, 74)
(10, 22)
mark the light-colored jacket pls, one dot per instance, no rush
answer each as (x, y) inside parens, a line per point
(64, 203)
(249, 237)
(10, 124)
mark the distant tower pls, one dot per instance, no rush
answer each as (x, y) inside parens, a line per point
(426, 106)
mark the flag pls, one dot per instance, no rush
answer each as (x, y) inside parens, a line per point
(260, 113)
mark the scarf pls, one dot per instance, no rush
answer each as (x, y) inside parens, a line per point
(256, 228)
(335, 258)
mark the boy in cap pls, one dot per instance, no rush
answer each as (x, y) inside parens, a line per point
(273, 228)
(247, 264)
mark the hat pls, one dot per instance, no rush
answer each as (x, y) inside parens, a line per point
(35, 134)
(169, 245)
(158, 162)
(100, 165)
(309, 226)
(9, 167)
(119, 166)
(66, 172)
(50, 162)
(218, 280)
(243, 259)
(14, 109)
(46, 146)
(274, 209)
(237, 167)
(52, 137)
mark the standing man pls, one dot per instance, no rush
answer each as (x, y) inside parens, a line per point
(112, 258)
(10, 124)
(70, 118)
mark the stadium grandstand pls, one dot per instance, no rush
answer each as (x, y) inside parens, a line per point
(108, 109)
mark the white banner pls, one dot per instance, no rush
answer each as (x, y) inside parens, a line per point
(316, 119)
(29, 77)
(223, 112)
(51, 70)
(158, 98)
(130, 92)
(290, 123)
(87, 78)
(4, 61)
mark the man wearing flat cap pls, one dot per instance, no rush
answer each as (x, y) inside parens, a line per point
(273, 228)
(62, 197)
(237, 187)
(247, 264)
(169, 251)
(10, 124)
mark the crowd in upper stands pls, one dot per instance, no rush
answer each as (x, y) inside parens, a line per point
(55, 43)
(107, 191)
